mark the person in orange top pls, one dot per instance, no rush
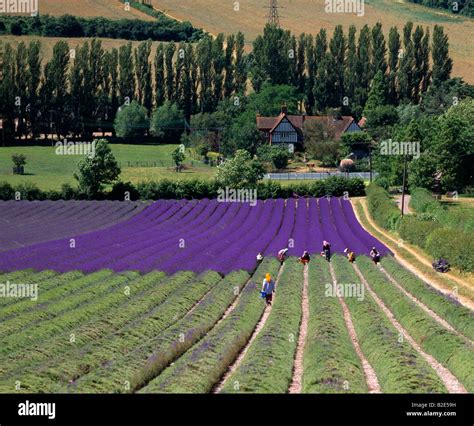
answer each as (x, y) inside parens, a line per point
(350, 255)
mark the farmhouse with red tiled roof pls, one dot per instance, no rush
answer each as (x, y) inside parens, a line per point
(288, 129)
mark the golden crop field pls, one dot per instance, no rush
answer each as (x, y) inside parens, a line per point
(47, 43)
(113, 9)
(309, 16)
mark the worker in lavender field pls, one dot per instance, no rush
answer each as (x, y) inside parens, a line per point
(259, 258)
(305, 258)
(350, 255)
(375, 255)
(268, 288)
(282, 255)
(326, 250)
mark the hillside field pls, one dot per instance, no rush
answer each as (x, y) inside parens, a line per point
(112, 9)
(47, 43)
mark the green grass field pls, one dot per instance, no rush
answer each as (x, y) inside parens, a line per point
(48, 170)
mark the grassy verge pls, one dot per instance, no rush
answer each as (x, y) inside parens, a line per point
(200, 369)
(268, 364)
(331, 364)
(399, 368)
(461, 318)
(446, 347)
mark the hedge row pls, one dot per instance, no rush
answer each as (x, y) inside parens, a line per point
(162, 29)
(429, 208)
(382, 208)
(192, 189)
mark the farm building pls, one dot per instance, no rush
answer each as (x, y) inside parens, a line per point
(288, 129)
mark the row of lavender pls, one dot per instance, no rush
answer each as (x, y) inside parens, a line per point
(201, 235)
(23, 223)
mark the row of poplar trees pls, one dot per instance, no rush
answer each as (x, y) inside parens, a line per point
(80, 90)
(337, 72)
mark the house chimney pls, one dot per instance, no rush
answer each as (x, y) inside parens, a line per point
(284, 108)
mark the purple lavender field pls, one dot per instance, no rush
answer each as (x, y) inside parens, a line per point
(23, 223)
(170, 235)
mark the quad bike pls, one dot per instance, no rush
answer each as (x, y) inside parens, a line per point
(441, 265)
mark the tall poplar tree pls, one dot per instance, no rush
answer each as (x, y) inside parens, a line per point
(393, 61)
(159, 63)
(229, 66)
(169, 79)
(407, 64)
(442, 63)
(126, 73)
(240, 64)
(143, 74)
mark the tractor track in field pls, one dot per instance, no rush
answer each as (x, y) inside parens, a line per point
(431, 313)
(297, 380)
(369, 372)
(392, 243)
(452, 384)
(240, 357)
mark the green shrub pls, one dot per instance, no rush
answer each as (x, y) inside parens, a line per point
(423, 202)
(189, 189)
(6, 191)
(29, 191)
(416, 231)
(124, 191)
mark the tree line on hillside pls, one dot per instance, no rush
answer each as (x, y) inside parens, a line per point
(80, 90)
(461, 7)
(337, 72)
(162, 29)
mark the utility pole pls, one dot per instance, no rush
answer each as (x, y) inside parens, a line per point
(273, 17)
(404, 183)
(370, 161)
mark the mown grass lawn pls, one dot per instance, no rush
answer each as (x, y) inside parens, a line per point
(48, 170)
